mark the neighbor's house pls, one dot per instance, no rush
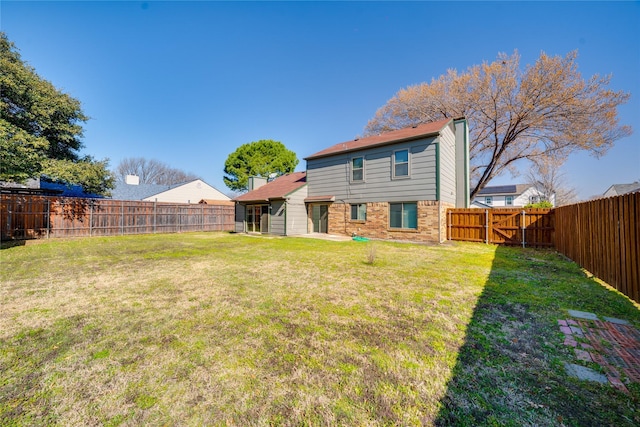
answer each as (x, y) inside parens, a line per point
(187, 192)
(508, 196)
(275, 207)
(396, 185)
(619, 189)
(43, 186)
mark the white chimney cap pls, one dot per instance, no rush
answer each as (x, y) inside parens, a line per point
(132, 180)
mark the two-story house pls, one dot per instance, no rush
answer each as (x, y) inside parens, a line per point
(509, 196)
(396, 185)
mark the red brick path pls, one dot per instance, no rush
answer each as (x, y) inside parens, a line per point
(615, 347)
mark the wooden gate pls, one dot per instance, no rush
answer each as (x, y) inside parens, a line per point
(522, 227)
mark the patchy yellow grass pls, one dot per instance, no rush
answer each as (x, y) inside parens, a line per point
(196, 329)
(219, 329)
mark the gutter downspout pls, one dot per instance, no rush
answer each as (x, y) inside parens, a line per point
(438, 201)
(285, 215)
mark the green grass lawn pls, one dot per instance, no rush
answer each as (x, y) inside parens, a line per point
(219, 329)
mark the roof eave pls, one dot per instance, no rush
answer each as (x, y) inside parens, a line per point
(380, 144)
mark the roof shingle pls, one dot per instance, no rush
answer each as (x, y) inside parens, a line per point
(276, 189)
(406, 134)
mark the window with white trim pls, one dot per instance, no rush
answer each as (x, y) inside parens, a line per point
(488, 200)
(401, 163)
(508, 200)
(357, 169)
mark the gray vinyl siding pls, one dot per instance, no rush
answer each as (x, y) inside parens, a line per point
(277, 224)
(240, 216)
(331, 175)
(297, 212)
(447, 168)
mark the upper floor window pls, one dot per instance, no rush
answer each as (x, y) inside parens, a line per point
(488, 200)
(508, 200)
(534, 199)
(357, 169)
(401, 163)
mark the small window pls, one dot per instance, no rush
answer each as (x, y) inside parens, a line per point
(401, 163)
(534, 199)
(488, 200)
(403, 215)
(357, 169)
(359, 212)
(508, 200)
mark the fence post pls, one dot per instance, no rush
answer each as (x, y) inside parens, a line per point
(523, 225)
(486, 226)
(450, 236)
(202, 210)
(48, 216)
(122, 217)
(155, 213)
(90, 218)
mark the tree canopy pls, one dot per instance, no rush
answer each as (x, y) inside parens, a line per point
(265, 158)
(151, 171)
(545, 109)
(41, 129)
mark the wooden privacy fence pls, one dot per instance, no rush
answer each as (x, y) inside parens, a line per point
(512, 226)
(33, 217)
(603, 236)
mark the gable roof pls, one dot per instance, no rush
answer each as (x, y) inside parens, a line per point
(620, 189)
(512, 189)
(406, 134)
(276, 189)
(124, 191)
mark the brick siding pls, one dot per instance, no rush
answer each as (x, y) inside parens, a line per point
(377, 223)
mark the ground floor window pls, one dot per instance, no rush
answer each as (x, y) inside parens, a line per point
(403, 215)
(359, 212)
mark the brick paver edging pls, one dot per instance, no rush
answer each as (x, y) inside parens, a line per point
(615, 347)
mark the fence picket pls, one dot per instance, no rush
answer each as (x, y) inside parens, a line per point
(29, 217)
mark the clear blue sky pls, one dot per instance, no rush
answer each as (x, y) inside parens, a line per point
(186, 83)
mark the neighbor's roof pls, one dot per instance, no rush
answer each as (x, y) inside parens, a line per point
(625, 188)
(504, 189)
(124, 191)
(406, 134)
(276, 189)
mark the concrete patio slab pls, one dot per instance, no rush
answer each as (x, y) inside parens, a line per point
(583, 315)
(585, 374)
(616, 321)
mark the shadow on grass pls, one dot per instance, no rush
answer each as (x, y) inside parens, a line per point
(8, 244)
(510, 369)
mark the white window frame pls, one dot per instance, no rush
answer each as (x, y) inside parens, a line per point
(352, 169)
(508, 200)
(394, 164)
(488, 200)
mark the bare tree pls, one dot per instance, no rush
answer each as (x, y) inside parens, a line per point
(151, 171)
(547, 176)
(547, 109)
